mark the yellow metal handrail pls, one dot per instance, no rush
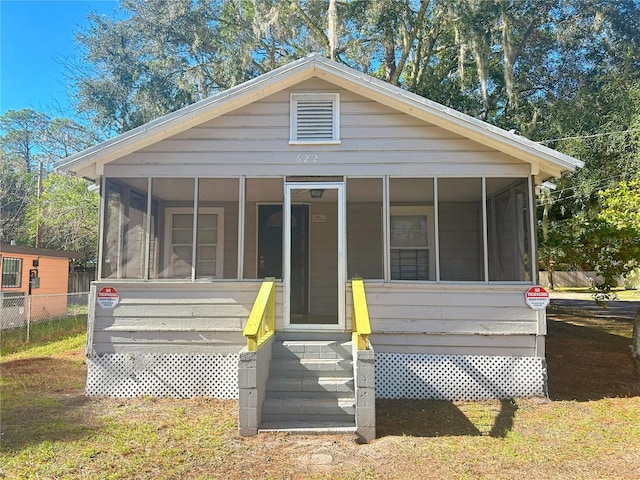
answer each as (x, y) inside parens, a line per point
(361, 325)
(261, 324)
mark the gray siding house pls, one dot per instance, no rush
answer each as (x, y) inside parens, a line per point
(315, 174)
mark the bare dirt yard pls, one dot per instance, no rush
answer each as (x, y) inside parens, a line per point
(589, 427)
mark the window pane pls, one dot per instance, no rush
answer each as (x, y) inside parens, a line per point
(364, 228)
(125, 228)
(172, 255)
(206, 269)
(412, 229)
(181, 261)
(11, 272)
(113, 226)
(409, 264)
(409, 231)
(207, 222)
(184, 237)
(183, 221)
(509, 239)
(461, 229)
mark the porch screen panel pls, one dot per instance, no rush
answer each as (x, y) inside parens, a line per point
(217, 244)
(411, 229)
(460, 228)
(124, 228)
(263, 239)
(364, 228)
(175, 198)
(508, 231)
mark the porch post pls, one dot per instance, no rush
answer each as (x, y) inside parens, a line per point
(241, 218)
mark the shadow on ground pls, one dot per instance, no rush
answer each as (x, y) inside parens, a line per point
(585, 362)
(42, 401)
(587, 359)
(439, 418)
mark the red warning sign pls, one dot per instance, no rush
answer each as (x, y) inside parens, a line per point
(108, 297)
(537, 298)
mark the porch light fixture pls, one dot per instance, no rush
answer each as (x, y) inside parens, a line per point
(316, 192)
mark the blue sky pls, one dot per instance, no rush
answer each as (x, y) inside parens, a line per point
(33, 35)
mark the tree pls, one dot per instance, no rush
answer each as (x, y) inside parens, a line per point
(66, 214)
(17, 189)
(564, 72)
(21, 131)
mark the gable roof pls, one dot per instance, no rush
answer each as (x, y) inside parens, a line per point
(545, 161)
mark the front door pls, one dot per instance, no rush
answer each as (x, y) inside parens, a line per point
(323, 297)
(270, 221)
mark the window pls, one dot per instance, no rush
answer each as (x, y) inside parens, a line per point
(411, 245)
(461, 229)
(315, 118)
(179, 242)
(508, 237)
(124, 228)
(11, 272)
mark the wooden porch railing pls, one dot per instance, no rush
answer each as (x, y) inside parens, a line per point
(261, 324)
(361, 325)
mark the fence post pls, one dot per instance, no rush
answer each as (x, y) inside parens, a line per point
(28, 316)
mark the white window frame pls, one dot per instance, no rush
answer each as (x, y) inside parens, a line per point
(293, 118)
(429, 212)
(169, 212)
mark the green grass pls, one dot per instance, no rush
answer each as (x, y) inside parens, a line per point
(68, 342)
(50, 430)
(42, 333)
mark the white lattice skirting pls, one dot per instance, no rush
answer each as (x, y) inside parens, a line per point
(169, 375)
(458, 377)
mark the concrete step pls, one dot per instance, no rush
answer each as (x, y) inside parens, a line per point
(312, 349)
(310, 387)
(304, 426)
(305, 386)
(311, 367)
(310, 336)
(311, 409)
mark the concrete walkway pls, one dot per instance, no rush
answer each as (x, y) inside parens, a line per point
(623, 308)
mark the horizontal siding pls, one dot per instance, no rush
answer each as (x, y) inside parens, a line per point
(255, 139)
(450, 319)
(500, 345)
(324, 260)
(175, 317)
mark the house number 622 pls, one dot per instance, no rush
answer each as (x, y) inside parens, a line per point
(307, 158)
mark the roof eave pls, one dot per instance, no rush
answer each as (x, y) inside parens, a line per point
(89, 162)
(448, 118)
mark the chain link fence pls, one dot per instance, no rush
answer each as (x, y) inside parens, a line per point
(25, 318)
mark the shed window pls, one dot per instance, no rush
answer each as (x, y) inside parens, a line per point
(315, 118)
(11, 272)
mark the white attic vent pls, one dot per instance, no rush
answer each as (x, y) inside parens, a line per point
(315, 118)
